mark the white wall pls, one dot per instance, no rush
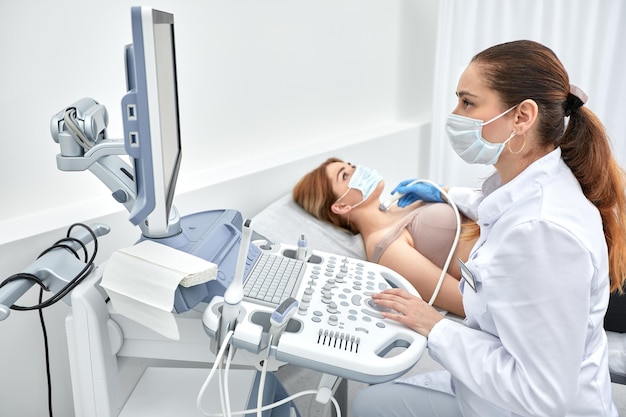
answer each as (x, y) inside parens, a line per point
(260, 83)
(258, 76)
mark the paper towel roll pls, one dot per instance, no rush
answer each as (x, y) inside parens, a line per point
(141, 281)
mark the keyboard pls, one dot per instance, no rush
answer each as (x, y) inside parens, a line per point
(271, 278)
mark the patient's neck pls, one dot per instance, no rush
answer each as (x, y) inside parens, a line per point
(369, 219)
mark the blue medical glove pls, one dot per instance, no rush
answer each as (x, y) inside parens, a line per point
(418, 191)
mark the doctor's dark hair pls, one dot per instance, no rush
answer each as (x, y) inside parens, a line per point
(522, 70)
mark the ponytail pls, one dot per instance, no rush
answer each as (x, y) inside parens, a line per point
(586, 150)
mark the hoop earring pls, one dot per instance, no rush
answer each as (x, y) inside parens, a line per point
(520, 149)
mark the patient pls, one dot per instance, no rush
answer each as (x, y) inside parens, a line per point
(414, 241)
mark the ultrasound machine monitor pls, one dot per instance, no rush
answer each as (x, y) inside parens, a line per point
(141, 169)
(151, 120)
(152, 139)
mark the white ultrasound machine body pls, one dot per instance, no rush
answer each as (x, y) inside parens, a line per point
(121, 368)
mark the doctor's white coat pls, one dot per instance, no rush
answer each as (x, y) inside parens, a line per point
(533, 342)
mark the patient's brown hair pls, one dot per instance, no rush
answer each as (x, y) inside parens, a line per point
(314, 194)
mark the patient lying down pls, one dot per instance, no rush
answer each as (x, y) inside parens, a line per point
(414, 241)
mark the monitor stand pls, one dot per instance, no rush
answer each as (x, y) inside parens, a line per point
(214, 236)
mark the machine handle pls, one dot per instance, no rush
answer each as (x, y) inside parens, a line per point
(51, 266)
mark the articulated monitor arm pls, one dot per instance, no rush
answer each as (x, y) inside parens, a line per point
(80, 131)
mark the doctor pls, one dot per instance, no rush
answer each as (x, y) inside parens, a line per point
(552, 245)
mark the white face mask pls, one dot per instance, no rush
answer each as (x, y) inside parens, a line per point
(365, 180)
(466, 138)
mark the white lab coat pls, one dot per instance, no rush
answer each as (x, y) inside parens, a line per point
(533, 342)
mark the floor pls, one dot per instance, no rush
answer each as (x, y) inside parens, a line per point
(297, 379)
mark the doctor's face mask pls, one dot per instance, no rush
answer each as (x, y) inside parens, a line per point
(365, 180)
(466, 137)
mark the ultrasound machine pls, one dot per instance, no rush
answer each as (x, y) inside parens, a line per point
(271, 304)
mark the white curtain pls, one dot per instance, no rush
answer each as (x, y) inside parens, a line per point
(589, 37)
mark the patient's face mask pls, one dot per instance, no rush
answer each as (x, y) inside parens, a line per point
(466, 138)
(365, 180)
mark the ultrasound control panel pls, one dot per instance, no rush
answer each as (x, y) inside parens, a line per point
(337, 328)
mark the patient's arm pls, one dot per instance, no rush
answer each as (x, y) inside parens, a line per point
(423, 274)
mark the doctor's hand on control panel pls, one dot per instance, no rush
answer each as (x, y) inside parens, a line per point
(408, 309)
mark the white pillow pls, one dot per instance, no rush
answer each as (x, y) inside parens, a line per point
(284, 221)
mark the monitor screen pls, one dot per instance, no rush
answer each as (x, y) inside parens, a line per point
(151, 120)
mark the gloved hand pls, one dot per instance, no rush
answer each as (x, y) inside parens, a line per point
(418, 191)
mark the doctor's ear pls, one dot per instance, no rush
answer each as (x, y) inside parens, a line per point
(526, 116)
